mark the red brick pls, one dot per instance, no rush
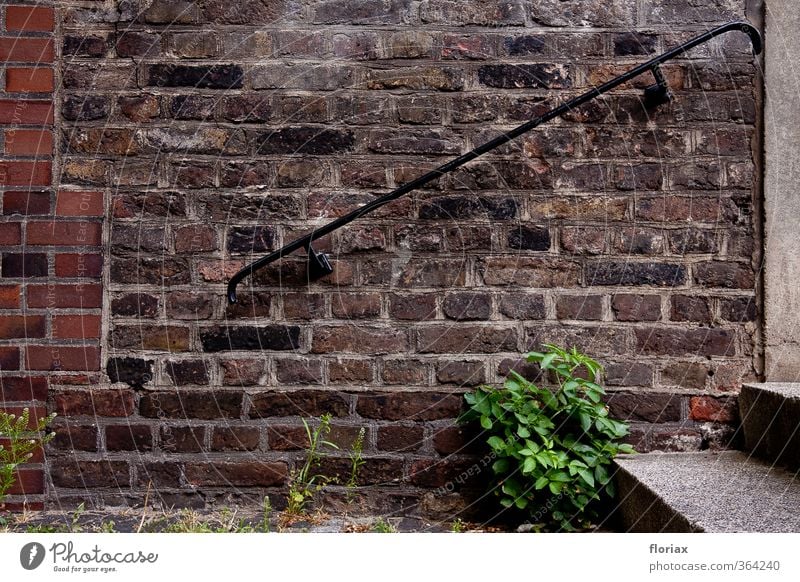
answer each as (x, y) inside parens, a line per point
(29, 80)
(103, 402)
(29, 142)
(18, 388)
(71, 358)
(84, 326)
(69, 203)
(26, 203)
(10, 233)
(36, 173)
(27, 482)
(79, 265)
(9, 358)
(64, 233)
(86, 296)
(9, 296)
(22, 326)
(19, 111)
(30, 18)
(26, 50)
(710, 409)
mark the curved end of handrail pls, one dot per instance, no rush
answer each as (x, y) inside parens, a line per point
(232, 289)
(755, 36)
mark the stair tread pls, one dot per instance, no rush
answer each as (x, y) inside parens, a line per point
(727, 491)
(785, 389)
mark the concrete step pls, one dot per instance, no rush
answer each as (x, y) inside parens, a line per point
(727, 491)
(770, 414)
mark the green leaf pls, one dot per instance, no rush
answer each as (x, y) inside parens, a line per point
(586, 421)
(501, 466)
(587, 476)
(547, 360)
(507, 501)
(523, 432)
(541, 482)
(626, 448)
(521, 503)
(555, 487)
(528, 465)
(496, 442)
(601, 474)
(486, 422)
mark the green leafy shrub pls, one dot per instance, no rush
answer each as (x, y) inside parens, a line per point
(22, 442)
(552, 446)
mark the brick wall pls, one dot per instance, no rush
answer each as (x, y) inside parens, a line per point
(221, 130)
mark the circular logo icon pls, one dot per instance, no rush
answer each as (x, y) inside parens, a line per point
(31, 555)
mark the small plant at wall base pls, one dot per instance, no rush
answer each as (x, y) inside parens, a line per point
(552, 446)
(305, 482)
(20, 446)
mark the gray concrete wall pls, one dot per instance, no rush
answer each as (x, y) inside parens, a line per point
(782, 190)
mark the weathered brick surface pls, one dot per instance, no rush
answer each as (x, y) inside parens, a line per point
(195, 136)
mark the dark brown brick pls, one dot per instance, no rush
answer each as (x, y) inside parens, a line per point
(628, 307)
(588, 307)
(467, 306)
(182, 439)
(690, 308)
(408, 405)
(237, 474)
(204, 405)
(680, 341)
(685, 374)
(530, 272)
(187, 372)
(522, 306)
(645, 406)
(129, 437)
(74, 437)
(738, 309)
(400, 437)
(723, 274)
(358, 339)
(463, 373)
(235, 438)
(473, 339)
(97, 402)
(626, 273)
(299, 403)
(409, 372)
(457, 440)
(629, 374)
(78, 474)
(414, 307)
(350, 371)
(297, 371)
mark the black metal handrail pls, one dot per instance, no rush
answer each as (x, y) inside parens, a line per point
(318, 264)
